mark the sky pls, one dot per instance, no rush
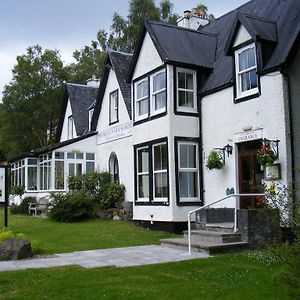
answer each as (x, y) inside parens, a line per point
(68, 25)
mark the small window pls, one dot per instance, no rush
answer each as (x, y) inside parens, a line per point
(186, 90)
(246, 71)
(143, 173)
(188, 171)
(91, 111)
(142, 99)
(71, 128)
(114, 167)
(158, 92)
(113, 107)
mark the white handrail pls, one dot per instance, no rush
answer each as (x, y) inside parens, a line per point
(236, 207)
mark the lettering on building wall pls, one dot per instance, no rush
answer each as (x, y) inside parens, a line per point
(114, 133)
(248, 136)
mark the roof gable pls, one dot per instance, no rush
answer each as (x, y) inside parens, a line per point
(193, 48)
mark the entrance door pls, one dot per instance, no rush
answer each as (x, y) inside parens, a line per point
(250, 174)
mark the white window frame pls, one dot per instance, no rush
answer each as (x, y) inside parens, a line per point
(179, 108)
(160, 199)
(188, 199)
(137, 100)
(238, 73)
(114, 107)
(153, 94)
(71, 127)
(142, 173)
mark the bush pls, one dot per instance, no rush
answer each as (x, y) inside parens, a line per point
(112, 195)
(6, 234)
(71, 207)
(23, 207)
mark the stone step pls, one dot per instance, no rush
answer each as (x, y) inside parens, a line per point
(206, 247)
(218, 237)
(224, 227)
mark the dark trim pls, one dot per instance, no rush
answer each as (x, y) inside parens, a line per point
(155, 116)
(176, 111)
(178, 139)
(217, 89)
(242, 45)
(110, 94)
(151, 200)
(246, 98)
(172, 227)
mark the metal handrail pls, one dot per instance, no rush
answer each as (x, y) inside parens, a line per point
(236, 207)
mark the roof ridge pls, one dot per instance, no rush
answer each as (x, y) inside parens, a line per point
(182, 28)
(259, 18)
(81, 85)
(120, 52)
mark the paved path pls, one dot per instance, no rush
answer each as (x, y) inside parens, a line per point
(119, 257)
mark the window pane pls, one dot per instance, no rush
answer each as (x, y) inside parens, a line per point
(160, 100)
(142, 89)
(160, 157)
(90, 167)
(79, 155)
(32, 161)
(143, 107)
(189, 81)
(59, 155)
(59, 175)
(186, 99)
(159, 81)
(71, 170)
(181, 80)
(187, 156)
(253, 79)
(71, 155)
(32, 178)
(78, 169)
(143, 186)
(161, 185)
(143, 161)
(251, 57)
(242, 61)
(188, 184)
(245, 81)
(90, 156)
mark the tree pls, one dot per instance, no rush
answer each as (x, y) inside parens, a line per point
(204, 8)
(32, 101)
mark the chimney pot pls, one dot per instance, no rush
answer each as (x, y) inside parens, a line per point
(187, 13)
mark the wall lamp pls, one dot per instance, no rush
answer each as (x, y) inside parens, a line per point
(226, 149)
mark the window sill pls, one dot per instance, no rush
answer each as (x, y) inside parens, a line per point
(149, 118)
(246, 97)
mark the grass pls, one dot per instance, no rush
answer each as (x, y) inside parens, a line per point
(232, 276)
(51, 237)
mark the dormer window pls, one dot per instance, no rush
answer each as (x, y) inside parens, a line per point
(71, 128)
(246, 71)
(113, 107)
(141, 101)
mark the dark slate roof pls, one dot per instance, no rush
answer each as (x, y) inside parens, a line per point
(178, 45)
(49, 148)
(259, 17)
(119, 62)
(81, 98)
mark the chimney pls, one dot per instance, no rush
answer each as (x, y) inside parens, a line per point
(93, 82)
(193, 19)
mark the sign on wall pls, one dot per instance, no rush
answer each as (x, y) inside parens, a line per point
(2, 184)
(248, 136)
(115, 133)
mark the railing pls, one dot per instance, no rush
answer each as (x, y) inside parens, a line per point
(236, 207)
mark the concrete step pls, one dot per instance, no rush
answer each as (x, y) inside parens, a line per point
(206, 247)
(224, 227)
(208, 236)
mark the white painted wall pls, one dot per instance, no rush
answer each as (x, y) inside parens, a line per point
(121, 146)
(242, 36)
(222, 120)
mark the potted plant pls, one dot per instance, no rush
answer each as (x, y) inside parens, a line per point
(214, 161)
(266, 156)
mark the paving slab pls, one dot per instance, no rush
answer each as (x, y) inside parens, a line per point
(118, 257)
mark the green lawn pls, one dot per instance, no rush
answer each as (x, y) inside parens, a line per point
(231, 276)
(51, 237)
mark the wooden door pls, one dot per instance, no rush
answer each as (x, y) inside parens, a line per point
(250, 174)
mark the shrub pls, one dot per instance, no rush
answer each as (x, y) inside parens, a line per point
(112, 195)
(23, 207)
(6, 234)
(71, 207)
(17, 190)
(214, 161)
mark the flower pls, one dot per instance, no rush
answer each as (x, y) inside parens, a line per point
(265, 155)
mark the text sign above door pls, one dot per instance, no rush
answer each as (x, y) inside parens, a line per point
(248, 136)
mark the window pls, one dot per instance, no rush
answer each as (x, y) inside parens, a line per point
(90, 163)
(151, 88)
(246, 71)
(71, 128)
(91, 111)
(141, 103)
(152, 172)
(188, 171)
(59, 172)
(113, 107)
(160, 171)
(158, 92)
(186, 90)
(45, 171)
(143, 173)
(32, 174)
(114, 167)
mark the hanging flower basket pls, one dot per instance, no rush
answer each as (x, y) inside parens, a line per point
(214, 161)
(266, 156)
